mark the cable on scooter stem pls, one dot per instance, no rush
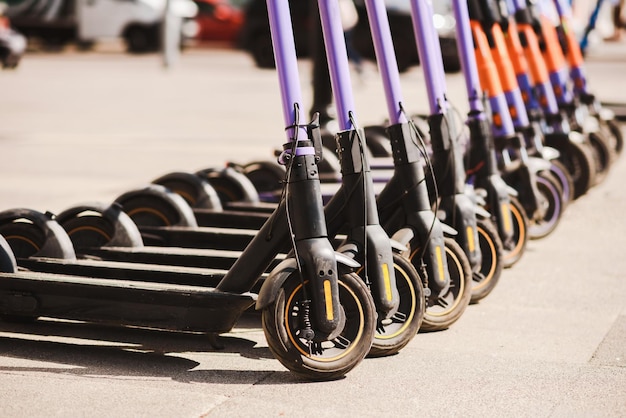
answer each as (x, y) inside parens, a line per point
(357, 133)
(306, 327)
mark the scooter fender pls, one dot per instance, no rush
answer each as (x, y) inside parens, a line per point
(606, 114)
(538, 164)
(549, 153)
(125, 231)
(7, 259)
(57, 243)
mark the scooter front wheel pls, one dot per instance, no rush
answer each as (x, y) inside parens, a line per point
(617, 137)
(395, 333)
(601, 155)
(551, 206)
(320, 359)
(491, 266)
(445, 309)
(580, 163)
(519, 223)
(566, 181)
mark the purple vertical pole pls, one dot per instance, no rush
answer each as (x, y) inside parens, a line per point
(577, 73)
(386, 58)
(422, 22)
(468, 60)
(287, 67)
(337, 57)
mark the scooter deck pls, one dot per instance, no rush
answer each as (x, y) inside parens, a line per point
(184, 257)
(191, 276)
(121, 302)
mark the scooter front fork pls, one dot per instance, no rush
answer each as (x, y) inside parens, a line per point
(425, 231)
(520, 172)
(482, 155)
(361, 214)
(460, 211)
(459, 208)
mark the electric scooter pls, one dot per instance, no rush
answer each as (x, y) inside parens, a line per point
(365, 239)
(556, 63)
(318, 315)
(482, 170)
(539, 192)
(590, 106)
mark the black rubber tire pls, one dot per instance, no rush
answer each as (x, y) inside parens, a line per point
(7, 258)
(437, 316)
(617, 136)
(196, 191)
(230, 185)
(580, 164)
(328, 360)
(560, 172)
(88, 231)
(551, 192)
(157, 206)
(601, 155)
(378, 141)
(25, 239)
(519, 222)
(142, 39)
(395, 333)
(267, 176)
(491, 266)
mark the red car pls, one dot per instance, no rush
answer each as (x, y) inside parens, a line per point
(218, 20)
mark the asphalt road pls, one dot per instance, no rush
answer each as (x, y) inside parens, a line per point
(549, 341)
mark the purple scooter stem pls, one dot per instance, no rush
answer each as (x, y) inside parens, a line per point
(386, 58)
(364, 224)
(286, 62)
(468, 62)
(423, 27)
(339, 68)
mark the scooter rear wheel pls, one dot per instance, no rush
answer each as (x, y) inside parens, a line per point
(519, 223)
(320, 359)
(491, 266)
(552, 206)
(267, 176)
(196, 191)
(7, 259)
(395, 333)
(444, 310)
(230, 185)
(96, 226)
(156, 205)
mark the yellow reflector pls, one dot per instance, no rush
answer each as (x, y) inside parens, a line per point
(329, 300)
(388, 292)
(439, 255)
(470, 239)
(506, 217)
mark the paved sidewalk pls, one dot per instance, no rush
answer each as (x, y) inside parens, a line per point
(550, 341)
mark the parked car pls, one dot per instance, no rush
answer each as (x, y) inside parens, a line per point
(12, 43)
(255, 35)
(218, 20)
(85, 22)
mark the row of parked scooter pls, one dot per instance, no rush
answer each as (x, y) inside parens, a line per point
(351, 241)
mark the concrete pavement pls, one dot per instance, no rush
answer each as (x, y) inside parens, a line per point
(550, 341)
